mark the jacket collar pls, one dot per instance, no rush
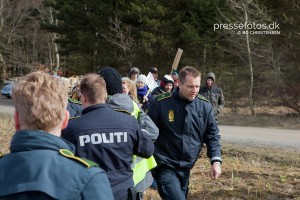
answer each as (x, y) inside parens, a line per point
(27, 140)
(94, 107)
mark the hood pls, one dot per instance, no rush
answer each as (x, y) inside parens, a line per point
(121, 102)
(211, 75)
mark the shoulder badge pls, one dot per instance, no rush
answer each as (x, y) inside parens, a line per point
(74, 117)
(124, 111)
(74, 101)
(202, 98)
(69, 154)
(163, 96)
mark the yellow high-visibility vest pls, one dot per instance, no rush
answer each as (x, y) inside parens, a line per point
(140, 166)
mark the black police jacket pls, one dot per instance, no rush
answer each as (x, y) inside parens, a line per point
(109, 138)
(183, 127)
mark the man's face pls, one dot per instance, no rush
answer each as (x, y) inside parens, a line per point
(168, 87)
(190, 88)
(209, 82)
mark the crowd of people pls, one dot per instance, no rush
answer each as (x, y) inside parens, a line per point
(114, 138)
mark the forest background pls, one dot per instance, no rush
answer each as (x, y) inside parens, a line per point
(256, 70)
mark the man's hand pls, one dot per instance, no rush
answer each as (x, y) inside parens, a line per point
(215, 171)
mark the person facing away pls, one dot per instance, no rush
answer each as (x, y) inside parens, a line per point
(213, 94)
(107, 137)
(166, 85)
(121, 102)
(185, 120)
(41, 165)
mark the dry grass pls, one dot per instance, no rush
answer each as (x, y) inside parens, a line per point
(277, 117)
(6, 132)
(248, 172)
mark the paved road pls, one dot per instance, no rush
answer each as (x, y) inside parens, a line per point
(270, 137)
(6, 105)
(248, 135)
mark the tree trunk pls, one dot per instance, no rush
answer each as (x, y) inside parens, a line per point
(204, 57)
(250, 64)
(54, 37)
(3, 73)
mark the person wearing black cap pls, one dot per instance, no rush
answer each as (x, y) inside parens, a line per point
(154, 73)
(107, 137)
(213, 93)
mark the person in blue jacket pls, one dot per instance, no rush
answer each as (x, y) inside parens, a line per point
(185, 120)
(41, 165)
(107, 137)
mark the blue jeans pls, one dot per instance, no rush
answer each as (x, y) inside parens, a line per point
(172, 183)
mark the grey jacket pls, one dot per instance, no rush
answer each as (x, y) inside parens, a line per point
(123, 102)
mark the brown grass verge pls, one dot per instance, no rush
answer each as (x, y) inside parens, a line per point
(277, 117)
(247, 173)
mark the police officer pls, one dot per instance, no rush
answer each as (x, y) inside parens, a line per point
(142, 176)
(213, 93)
(107, 137)
(185, 120)
(41, 165)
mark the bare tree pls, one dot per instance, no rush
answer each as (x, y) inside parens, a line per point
(242, 39)
(121, 37)
(3, 72)
(47, 15)
(21, 41)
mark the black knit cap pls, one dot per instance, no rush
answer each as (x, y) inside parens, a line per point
(113, 80)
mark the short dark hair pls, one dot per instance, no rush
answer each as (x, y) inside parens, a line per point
(153, 70)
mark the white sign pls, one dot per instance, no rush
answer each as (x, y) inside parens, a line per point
(151, 82)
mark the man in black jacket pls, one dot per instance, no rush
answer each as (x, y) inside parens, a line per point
(107, 137)
(185, 120)
(213, 94)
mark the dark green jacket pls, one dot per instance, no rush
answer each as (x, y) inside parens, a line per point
(35, 169)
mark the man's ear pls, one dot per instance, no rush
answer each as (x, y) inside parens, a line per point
(83, 99)
(66, 120)
(17, 121)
